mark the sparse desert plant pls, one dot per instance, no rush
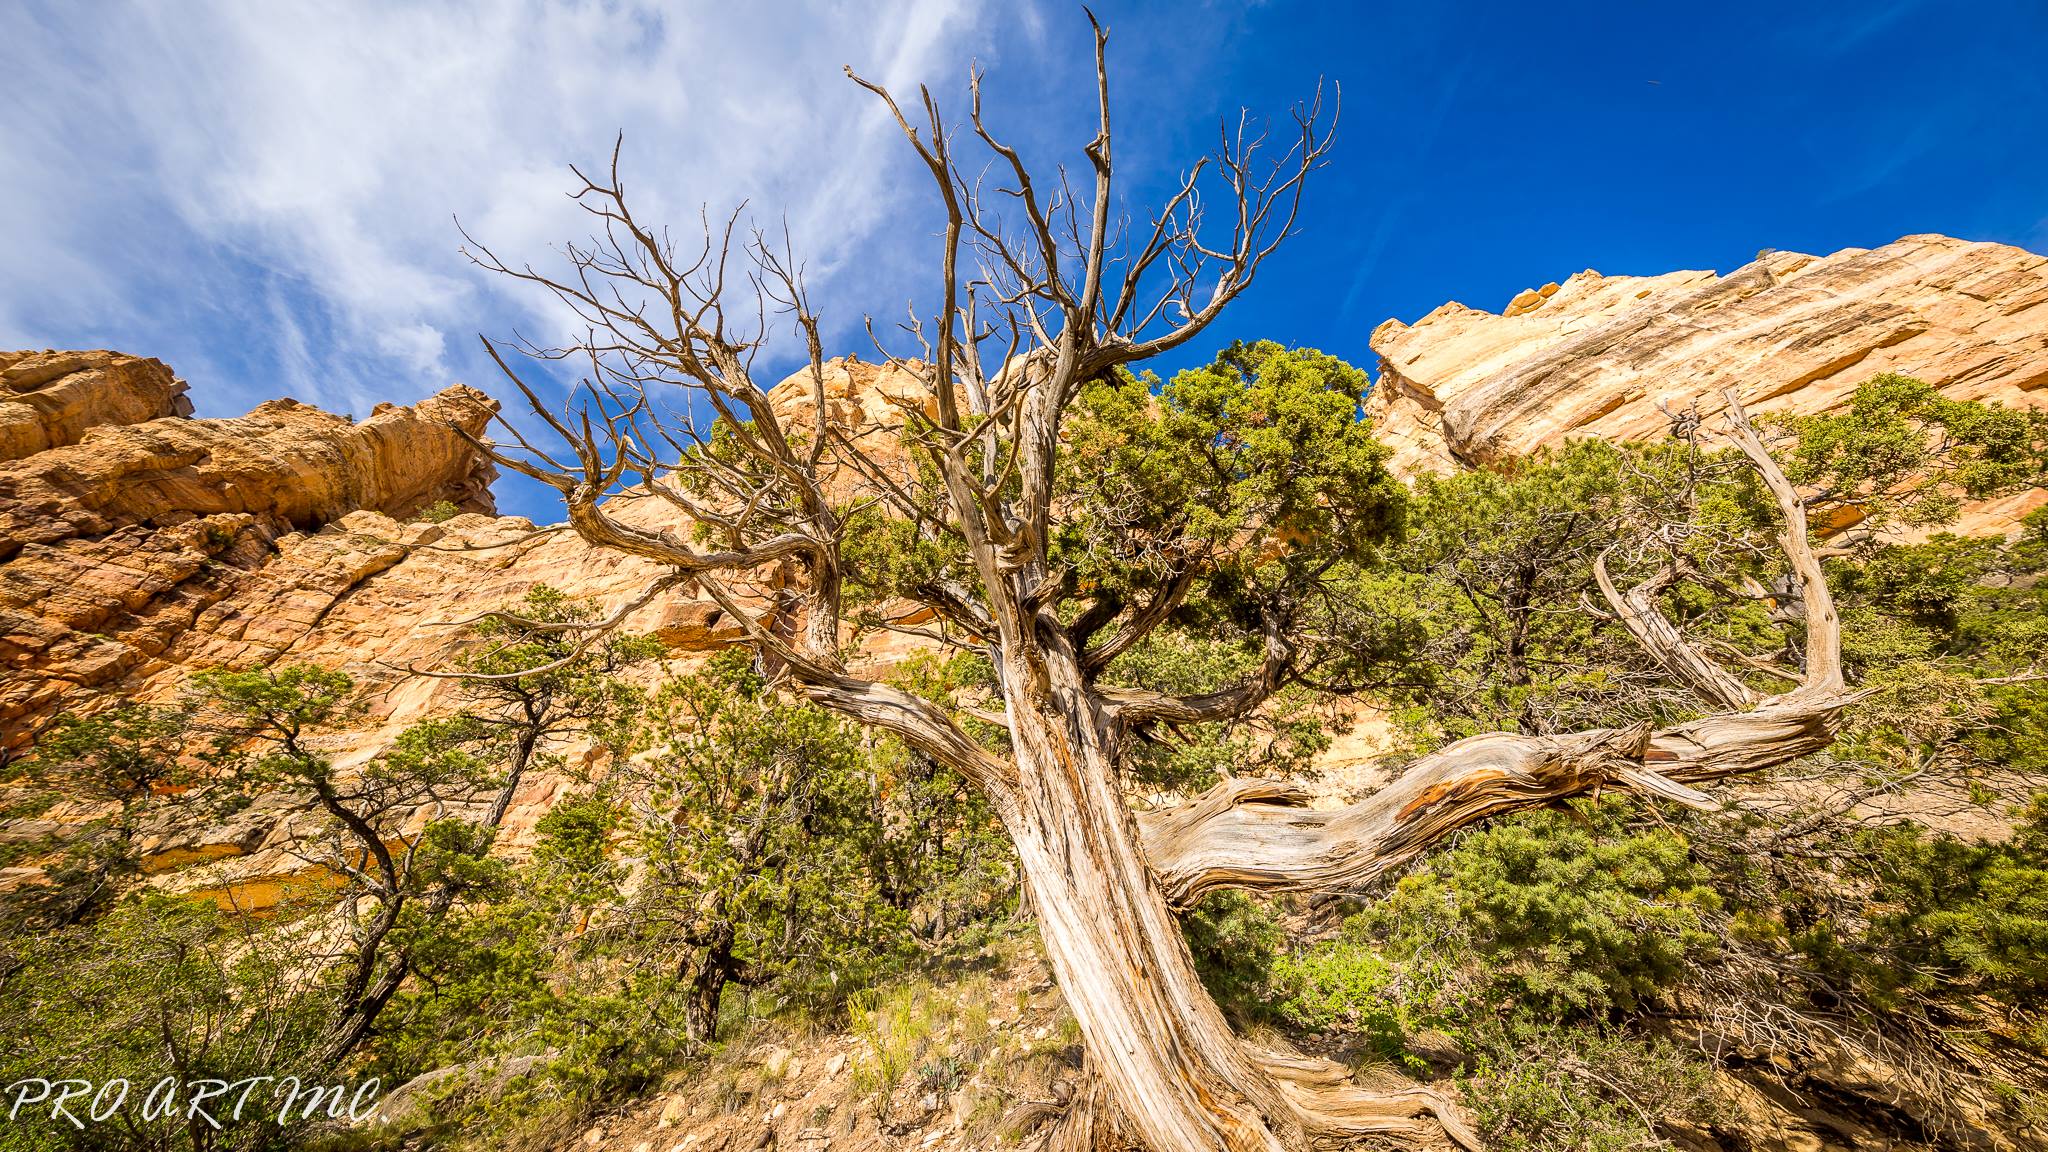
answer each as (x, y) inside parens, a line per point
(439, 512)
(1555, 1089)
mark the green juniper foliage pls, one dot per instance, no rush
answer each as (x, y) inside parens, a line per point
(124, 765)
(1551, 952)
(758, 830)
(1569, 921)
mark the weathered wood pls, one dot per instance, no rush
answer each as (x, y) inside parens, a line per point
(1177, 1075)
(1638, 612)
(1248, 834)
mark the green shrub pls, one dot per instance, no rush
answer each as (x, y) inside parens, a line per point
(1235, 941)
(1582, 1089)
(1947, 915)
(161, 986)
(1344, 986)
(1563, 919)
(438, 512)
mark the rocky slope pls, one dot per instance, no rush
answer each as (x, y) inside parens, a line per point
(1596, 355)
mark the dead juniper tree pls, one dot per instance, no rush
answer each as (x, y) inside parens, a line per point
(1012, 539)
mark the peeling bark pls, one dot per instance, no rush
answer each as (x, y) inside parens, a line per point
(707, 976)
(1257, 834)
(1638, 612)
(1176, 1074)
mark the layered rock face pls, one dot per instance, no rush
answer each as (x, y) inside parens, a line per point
(49, 399)
(138, 548)
(1595, 355)
(125, 542)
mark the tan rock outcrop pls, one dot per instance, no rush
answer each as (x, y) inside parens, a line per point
(285, 463)
(142, 554)
(1593, 356)
(49, 399)
(114, 545)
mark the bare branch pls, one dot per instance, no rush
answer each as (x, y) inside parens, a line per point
(1638, 612)
(1254, 834)
(1823, 626)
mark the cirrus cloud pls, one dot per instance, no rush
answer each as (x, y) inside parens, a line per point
(262, 194)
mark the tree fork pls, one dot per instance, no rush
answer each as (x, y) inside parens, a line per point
(1258, 834)
(1177, 1075)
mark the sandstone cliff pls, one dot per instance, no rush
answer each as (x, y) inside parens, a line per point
(129, 539)
(1594, 355)
(49, 399)
(139, 547)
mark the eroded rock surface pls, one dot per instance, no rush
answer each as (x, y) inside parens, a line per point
(1594, 356)
(49, 399)
(116, 540)
(146, 548)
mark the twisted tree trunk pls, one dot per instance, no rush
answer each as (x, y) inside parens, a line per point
(1104, 884)
(1103, 880)
(1169, 1073)
(1178, 1077)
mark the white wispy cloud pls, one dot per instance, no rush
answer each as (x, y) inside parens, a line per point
(285, 174)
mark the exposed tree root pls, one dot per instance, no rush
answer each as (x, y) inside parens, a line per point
(1328, 1110)
(1333, 1108)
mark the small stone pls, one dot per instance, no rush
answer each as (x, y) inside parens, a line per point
(835, 1065)
(594, 1137)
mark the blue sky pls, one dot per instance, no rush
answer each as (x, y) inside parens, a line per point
(262, 195)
